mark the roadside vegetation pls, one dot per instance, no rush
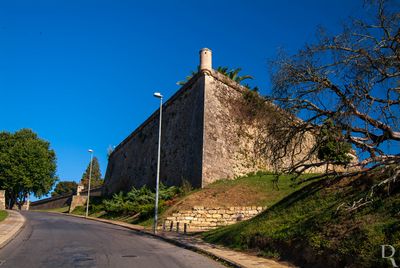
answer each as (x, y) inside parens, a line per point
(135, 206)
(59, 210)
(320, 219)
(27, 166)
(3, 215)
(319, 225)
(255, 189)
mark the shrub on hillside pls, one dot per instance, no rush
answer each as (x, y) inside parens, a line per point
(139, 200)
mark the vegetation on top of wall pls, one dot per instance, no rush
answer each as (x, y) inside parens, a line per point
(234, 74)
(254, 103)
(187, 78)
(231, 73)
(110, 150)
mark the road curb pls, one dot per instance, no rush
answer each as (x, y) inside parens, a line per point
(15, 230)
(175, 242)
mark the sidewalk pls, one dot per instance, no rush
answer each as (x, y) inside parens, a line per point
(231, 257)
(235, 258)
(10, 227)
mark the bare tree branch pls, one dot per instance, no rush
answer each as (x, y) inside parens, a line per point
(351, 80)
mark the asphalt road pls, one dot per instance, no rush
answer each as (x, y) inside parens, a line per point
(51, 240)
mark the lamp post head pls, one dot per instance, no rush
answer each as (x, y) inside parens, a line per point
(90, 151)
(158, 95)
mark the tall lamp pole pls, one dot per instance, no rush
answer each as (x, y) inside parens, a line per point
(159, 96)
(90, 178)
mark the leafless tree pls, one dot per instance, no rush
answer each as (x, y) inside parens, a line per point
(351, 80)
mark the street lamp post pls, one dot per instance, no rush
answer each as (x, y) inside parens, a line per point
(159, 96)
(90, 178)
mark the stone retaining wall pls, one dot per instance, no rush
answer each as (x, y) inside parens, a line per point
(205, 218)
(93, 192)
(64, 201)
(77, 200)
(52, 202)
(2, 200)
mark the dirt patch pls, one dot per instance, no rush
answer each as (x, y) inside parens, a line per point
(258, 189)
(224, 196)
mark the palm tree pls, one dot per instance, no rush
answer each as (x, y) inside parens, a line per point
(223, 70)
(181, 83)
(232, 74)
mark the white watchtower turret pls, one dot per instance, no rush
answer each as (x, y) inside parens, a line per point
(205, 59)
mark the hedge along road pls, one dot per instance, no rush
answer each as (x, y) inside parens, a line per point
(53, 240)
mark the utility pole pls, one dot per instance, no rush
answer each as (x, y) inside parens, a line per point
(90, 178)
(159, 96)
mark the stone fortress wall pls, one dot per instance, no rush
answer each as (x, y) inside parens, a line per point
(133, 163)
(68, 200)
(51, 202)
(207, 135)
(229, 138)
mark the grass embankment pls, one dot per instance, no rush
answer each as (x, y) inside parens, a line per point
(3, 215)
(255, 189)
(61, 210)
(315, 227)
(259, 189)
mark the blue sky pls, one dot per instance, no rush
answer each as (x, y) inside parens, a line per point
(81, 73)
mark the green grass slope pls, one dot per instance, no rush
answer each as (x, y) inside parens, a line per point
(3, 215)
(255, 189)
(61, 210)
(307, 228)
